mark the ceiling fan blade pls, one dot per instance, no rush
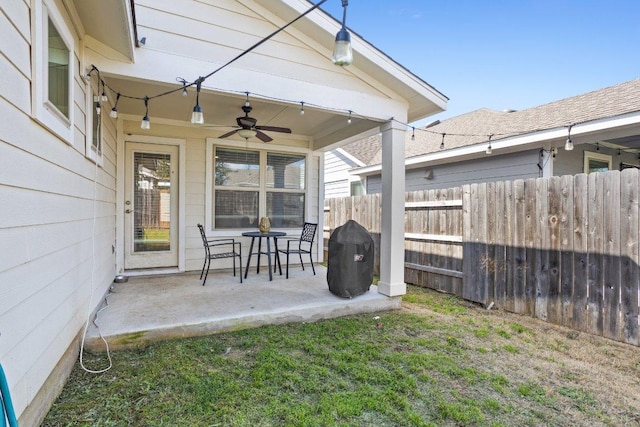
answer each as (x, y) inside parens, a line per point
(273, 129)
(263, 137)
(228, 133)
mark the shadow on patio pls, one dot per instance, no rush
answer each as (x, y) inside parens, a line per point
(153, 308)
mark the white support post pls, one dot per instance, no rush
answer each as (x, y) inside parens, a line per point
(392, 217)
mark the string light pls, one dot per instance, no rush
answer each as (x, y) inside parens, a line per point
(442, 143)
(184, 86)
(114, 111)
(302, 108)
(489, 150)
(197, 118)
(597, 146)
(146, 123)
(413, 133)
(98, 108)
(342, 52)
(103, 97)
(349, 119)
(568, 145)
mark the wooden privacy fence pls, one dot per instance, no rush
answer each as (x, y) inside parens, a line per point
(563, 249)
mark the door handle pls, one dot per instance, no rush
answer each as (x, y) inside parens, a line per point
(128, 211)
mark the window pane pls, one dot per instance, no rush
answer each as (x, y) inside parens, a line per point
(58, 58)
(285, 209)
(236, 209)
(357, 189)
(237, 168)
(152, 202)
(598, 166)
(285, 171)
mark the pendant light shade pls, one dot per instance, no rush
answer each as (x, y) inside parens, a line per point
(342, 52)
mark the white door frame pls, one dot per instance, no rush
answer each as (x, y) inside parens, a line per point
(120, 206)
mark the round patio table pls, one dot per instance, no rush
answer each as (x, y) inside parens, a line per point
(260, 235)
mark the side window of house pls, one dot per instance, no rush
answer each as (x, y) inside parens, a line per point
(357, 189)
(53, 70)
(250, 184)
(94, 126)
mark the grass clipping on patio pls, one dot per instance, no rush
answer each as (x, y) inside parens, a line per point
(437, 362)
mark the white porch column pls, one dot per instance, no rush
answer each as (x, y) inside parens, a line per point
(392, 217)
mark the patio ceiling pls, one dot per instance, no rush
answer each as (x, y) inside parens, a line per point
(220, 110)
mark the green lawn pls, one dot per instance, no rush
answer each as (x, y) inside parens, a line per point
(437, 362)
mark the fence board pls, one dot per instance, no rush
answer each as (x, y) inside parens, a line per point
(542, 243)
(489, 260)
(580, 253)
(530, 244)
(500, 256)
(629, 254)
(611, 272)
(595, 248)
(565, 226)
(551, 226)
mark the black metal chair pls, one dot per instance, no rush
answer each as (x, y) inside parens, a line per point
(302, 245)
(222, 248)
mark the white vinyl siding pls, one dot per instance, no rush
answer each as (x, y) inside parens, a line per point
(58, 221)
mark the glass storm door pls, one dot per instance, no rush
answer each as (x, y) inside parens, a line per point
(151, 206)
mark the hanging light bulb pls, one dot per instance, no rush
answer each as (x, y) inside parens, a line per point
(442, 143)
(98, 108)
(197, 118)
(413, 133)
(342, 52)
(103, 97)
(489, 150)
(246, 102)
(184, 85)
(301, 108)
(114, 111)
(349, 119)
(146, 123)
(568, 145)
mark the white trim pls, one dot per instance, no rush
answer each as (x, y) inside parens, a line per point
(182, 165)
(350, 157)
(262, 189)
(590, 155)
(93, 154)
(42, 110)
(513, 144)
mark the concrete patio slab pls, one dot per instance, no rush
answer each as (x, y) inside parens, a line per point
(152, 308)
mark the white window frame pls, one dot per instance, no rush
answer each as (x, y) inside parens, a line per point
(590, 155)
(262, 189)
(91, 152)
(43, 110)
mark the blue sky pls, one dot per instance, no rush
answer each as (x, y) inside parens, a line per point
(503, 54)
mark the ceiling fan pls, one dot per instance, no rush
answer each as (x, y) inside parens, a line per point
(247, 127)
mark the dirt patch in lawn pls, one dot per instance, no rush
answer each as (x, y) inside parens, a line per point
(549, 361)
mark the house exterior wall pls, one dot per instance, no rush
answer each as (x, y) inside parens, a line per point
(198, 197)
(572, 162)
(57, 224)
(336, 174)
(487, 169)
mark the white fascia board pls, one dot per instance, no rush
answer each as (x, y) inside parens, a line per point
(350, 157)
(376, 56)
(514, 143)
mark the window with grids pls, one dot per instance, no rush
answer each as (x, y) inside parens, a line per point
(250, 184)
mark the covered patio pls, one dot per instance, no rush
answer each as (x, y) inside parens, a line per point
(147, 309)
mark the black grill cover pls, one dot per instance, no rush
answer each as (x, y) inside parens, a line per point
(350, 264)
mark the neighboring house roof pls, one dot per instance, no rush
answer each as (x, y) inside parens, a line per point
(476, 126)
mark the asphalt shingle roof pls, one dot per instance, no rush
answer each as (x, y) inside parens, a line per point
(476, 126)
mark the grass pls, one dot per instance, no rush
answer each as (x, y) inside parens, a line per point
(442, 362)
